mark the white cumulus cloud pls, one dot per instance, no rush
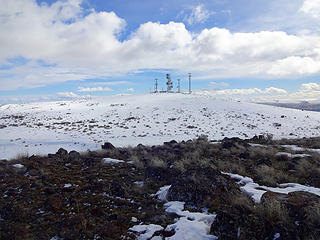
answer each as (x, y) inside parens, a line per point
(59, 42)
(130, 90)
(68, 95)
(311, 7)
(94, 89)
(199, 14)
(310, 87)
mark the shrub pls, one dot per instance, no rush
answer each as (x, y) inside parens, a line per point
(156, 162)
(274, 211)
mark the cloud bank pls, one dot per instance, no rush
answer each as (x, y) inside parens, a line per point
(63, 42)
(307, 92)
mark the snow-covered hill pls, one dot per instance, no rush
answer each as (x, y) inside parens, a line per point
(39, 128)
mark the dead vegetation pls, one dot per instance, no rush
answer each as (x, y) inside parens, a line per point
(98, 200)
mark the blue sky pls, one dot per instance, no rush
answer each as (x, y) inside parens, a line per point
(68, 49)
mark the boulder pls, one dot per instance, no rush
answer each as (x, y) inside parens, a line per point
(296, 202)
(202, 187)
(74, 156)
(107, 146)
(62, 152)
(232, 142)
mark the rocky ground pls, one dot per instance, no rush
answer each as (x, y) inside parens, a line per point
(69, 195)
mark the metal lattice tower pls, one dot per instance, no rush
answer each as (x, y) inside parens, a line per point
(169, 83)
(156, 85)
(190, 83)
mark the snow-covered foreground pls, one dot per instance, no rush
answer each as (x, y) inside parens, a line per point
(39, 128)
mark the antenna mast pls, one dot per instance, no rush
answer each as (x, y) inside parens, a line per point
(169, 83)
(156, 85)
(190, 83)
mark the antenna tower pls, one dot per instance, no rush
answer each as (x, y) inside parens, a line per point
(190, 83)
(156, 85)
(169, 83)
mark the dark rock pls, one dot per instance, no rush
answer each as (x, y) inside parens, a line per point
(159, 219)
(232, 142)
(159, 174)
(244, 155)
(202, 188)
(117, 189)
(34, 172)
(262, 139)
(62, 152)
(172, 142)
(296, 201)
(74, 156)
(54, 203)
(108, 146)
(112, 217)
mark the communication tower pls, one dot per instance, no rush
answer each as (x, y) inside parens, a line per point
(169, 83)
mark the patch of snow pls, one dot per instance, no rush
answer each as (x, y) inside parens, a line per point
(295, 187)
(290, 155)
(139, 183)
(56, 238)
(111, 160)
(297, 148)
(18, 165)
(145, 231)
(254, 190)
(174, 207)
(276, 236)
(156, 238)
(162, 193)
(294, 147)
(249, 186)
(257, 145)
(189, 225)
(189, 230)
(134, 219)
(67, 185)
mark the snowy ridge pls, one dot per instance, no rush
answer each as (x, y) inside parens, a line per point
(39, 128)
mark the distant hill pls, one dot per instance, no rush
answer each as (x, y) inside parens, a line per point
(302, 106)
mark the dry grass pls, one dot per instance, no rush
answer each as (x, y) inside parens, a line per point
(268, 175)
(156, 162)
(274, 211)
(262, 152)
(313, 214)
(137, 161)
(303, 168)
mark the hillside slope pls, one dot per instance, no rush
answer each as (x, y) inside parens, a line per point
(39, 128)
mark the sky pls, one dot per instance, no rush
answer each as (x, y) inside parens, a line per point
(260, 50)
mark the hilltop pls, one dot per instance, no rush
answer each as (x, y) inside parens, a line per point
(39, 128)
